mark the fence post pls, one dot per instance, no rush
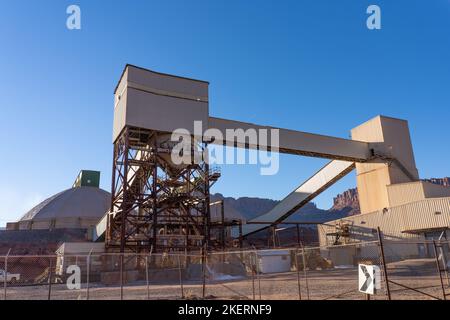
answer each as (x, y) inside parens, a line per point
(88, 271)
(298, 275)
(304, 270)
(180, 276)
(121, 275)
(147, 271)
(49, 281)
(50, 273)
(253, 267)
(146, 277)
(258, 276)
(6, 273)
(383, 261)
(204, 272)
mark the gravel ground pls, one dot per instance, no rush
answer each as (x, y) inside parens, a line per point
(318, 285)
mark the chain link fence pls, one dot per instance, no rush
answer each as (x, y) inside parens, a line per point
(418, 270)
(409, 270)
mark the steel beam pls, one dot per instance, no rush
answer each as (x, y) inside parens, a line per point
(291, 141)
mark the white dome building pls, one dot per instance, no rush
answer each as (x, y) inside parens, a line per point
(79, 207)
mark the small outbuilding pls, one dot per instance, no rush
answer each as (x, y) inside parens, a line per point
(274, 261)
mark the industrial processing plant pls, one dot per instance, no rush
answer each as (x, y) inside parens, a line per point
(154, 227)
(160, 209)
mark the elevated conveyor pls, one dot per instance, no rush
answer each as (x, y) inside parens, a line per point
(324, 178)
(290, 141)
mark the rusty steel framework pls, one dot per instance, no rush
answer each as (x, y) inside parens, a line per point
(155, 204)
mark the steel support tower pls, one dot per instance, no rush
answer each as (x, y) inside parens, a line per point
(157, 205)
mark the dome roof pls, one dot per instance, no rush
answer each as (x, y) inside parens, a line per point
(79, 202)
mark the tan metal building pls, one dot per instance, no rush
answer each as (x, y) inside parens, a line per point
(417, 210)
(391, 196)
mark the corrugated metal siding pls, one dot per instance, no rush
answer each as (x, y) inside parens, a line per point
(81, 247)
(404, 193)
(412, 216)
(422, 214)
(63, 223)
(371, 188)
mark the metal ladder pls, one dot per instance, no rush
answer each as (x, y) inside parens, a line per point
(441, 267)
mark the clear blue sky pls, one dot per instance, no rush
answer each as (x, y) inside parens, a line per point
(314, 63)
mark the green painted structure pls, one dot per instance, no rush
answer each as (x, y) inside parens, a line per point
(87, 178)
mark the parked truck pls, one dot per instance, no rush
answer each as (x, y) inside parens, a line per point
(10, 277)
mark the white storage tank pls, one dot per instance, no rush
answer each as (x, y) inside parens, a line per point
(274, 261)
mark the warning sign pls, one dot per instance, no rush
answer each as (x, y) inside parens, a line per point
(369, 277)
